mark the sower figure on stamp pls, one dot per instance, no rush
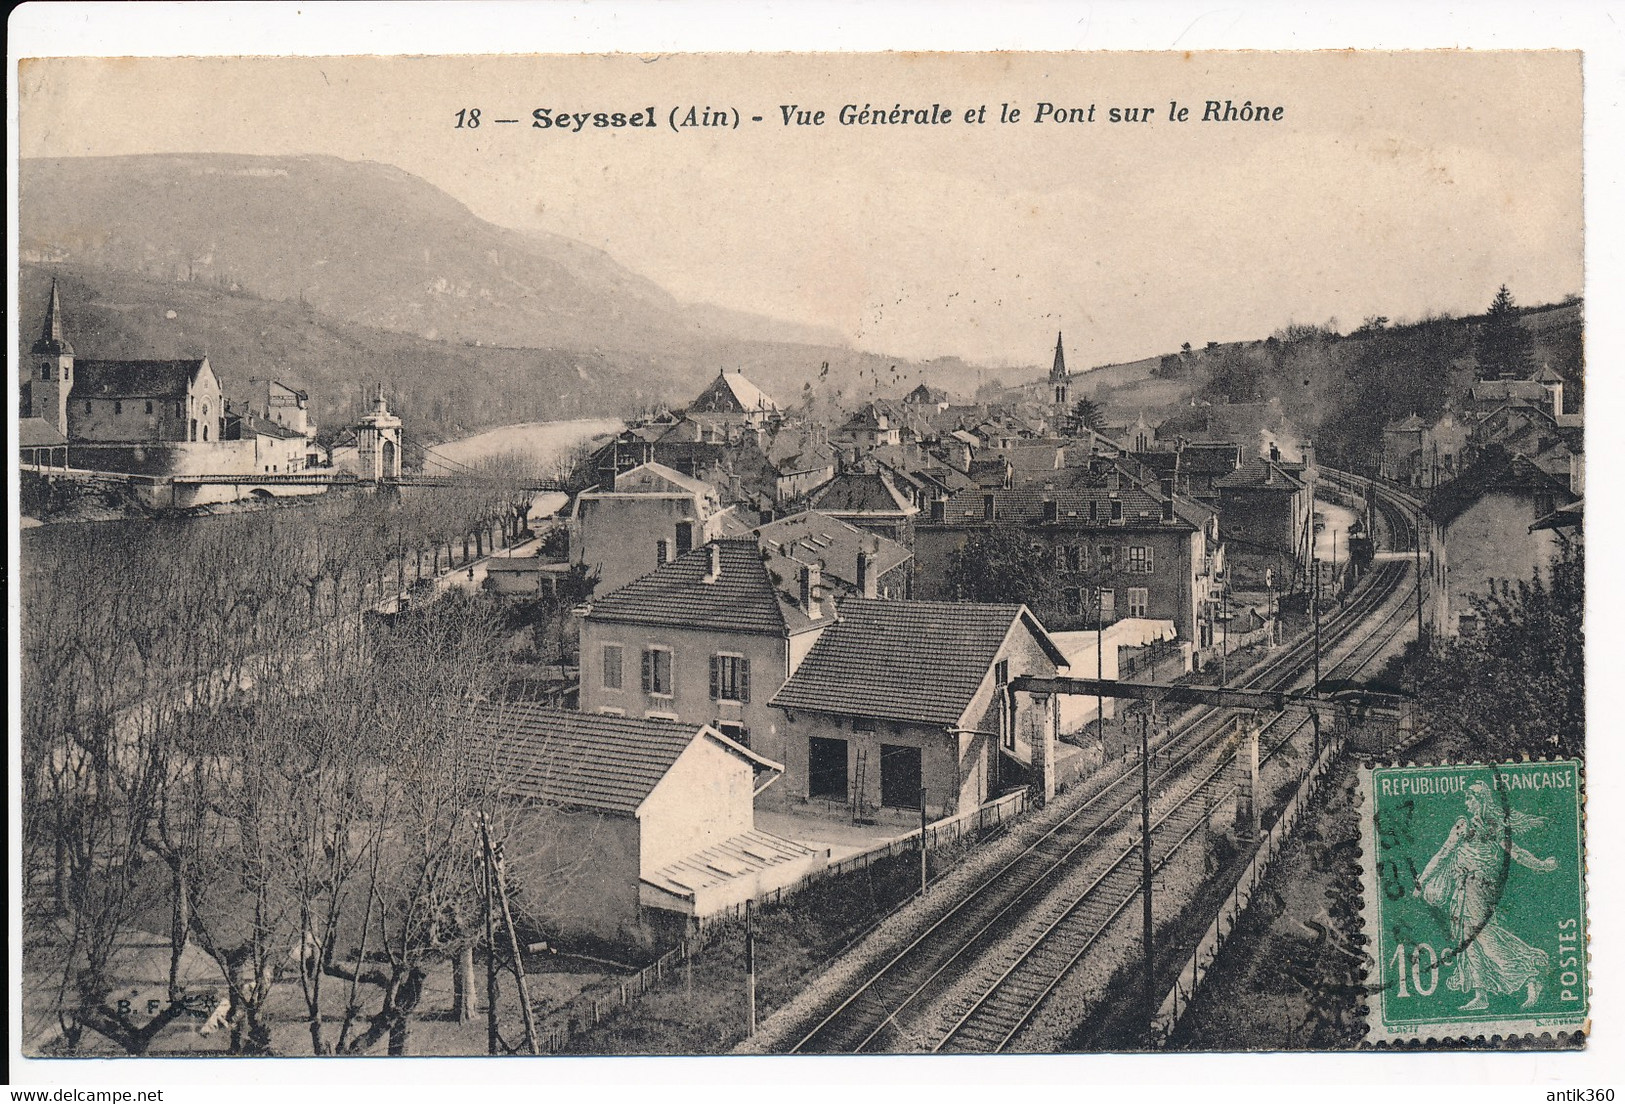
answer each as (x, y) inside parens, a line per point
(1463, 878)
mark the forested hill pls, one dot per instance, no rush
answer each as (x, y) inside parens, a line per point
(1342, 388)
(334, 272)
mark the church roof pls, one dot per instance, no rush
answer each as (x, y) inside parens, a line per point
(1058, 372)
(112, 379)
(732, 393)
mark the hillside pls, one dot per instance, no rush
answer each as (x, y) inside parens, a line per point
(1341, 388)
(353, 249)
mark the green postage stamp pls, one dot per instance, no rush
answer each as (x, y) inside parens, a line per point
(1474, 900)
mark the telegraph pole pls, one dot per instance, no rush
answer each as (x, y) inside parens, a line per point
(923, 876)
(1418, 543)
(1145, 863)
(750, 968)
(1314, 601)
(493, 1038)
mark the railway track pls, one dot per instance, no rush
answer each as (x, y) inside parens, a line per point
(1022, 890)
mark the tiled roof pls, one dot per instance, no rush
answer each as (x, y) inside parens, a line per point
(1259, 474)
(856, 492)
(904, 661)
(1209, 459)
(813, 537)
(1496, 471)
(647, 478)
(744, 598)
(732, 393)
(134, 378)
(569, 758)
(1409, 424)
(1141, 508)
(38, 433)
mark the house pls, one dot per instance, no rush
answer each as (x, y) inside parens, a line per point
(652, 515)
(1484, 528)
(733, 395)
(1114, 547)
(851, 561)
(903, 702)
(1264, 507)
(801, 459)
(40, 444)
(625, 828)
(1256, 427)
(924, 395)
(870, 427)
(706, 639)
(278, 449)
(1418, 454)
(869, 500)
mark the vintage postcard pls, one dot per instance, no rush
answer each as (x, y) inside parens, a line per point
(800, 553)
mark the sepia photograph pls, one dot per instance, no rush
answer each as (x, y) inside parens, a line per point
(1053, 552)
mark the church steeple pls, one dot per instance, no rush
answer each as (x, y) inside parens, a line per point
(52, 341)
(47, 376)
(1060, 381)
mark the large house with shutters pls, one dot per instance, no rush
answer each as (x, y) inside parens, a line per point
(706, 639)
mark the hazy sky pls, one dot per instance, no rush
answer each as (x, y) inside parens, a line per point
(1394, 184)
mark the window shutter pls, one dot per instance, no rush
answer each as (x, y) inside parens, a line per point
(716, 677)
(1150, 558)
(744, 680)
(648, 670)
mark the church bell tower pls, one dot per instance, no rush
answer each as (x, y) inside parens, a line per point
(49, 369)
(1060, 382)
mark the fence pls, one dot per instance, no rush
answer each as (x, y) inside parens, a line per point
(1179, 998)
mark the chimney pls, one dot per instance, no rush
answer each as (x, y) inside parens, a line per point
(1308, 454)
(715, 571)
(1275, 451)
(866, 575)
(811, 583)
(662, 551)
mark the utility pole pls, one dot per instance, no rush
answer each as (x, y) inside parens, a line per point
(1314, 602)
(494, 874)
(493, 1038)
(750, 968)
(1145, 863)
(923, 876)
(1418, 543)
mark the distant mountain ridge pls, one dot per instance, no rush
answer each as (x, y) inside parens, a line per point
(346, 244)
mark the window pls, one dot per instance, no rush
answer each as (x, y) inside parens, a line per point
(612, 667)
(1074, 558)
(179, 412)
(1060, 557)
(730, 678)
(1072, 597)
(87, 406)
(1138, 600)
(45, 372)
(735, 731)
(685, 536)
(205, 431)
(826, 768)
(1117, 510)
(1108, 604)
(1108, 558)
(661, 554)
(657, 671)
(149, 406)
(1139, 560)
(863, 724)
(118, 407)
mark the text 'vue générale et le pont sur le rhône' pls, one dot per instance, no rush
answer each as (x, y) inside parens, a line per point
(575, 120)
